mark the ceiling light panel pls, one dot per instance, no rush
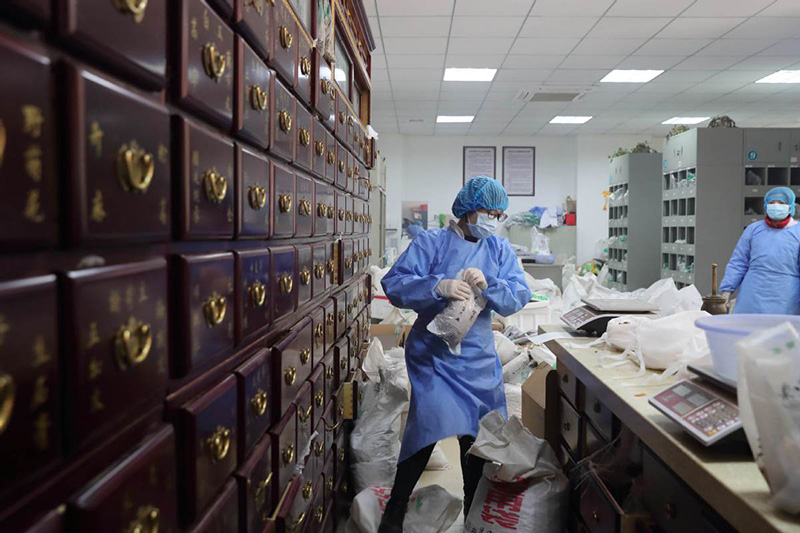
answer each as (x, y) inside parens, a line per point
(782, 76)
(454, 119)
(469, 74)
(686, 120)
(565, 119)
(631, 76)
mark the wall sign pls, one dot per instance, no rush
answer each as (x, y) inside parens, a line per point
(519, 170)
(479, 161)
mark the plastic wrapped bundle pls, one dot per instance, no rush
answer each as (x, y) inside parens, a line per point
(455, 321)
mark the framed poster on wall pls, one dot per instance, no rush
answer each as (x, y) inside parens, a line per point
(479, 161)
(519, 170)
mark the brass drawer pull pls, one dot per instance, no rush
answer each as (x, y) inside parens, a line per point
(290, 376)
(285, 283)
(258, 294)
(214, 62)
(304, 207)
(349, 216)
(329, 373)
(304, 414)
(215, 185)
(219, 443)
(132, 7)
(343, 363)
(286, 37)
(288, 455)
(341, 455)
(319, 148)
(322, 210)
(319, 333)
(305, 355)
(284, 203)
(319, 271)
(305, 276)
(7, 396)
(350, 121)
(298, 522)
(349, 172)
(257, 197)
(341, 117)
(341, 214)
(341, 316)
(308, 490)
(261, 491)
(148, 517)
(331, 157)
(319, 398)
(325, 86)
(132, 343)
(135, 168)
(332, 428)
(350, 307)
(342, 166)
(259, 402)
(329, 484)
(348, 262)
(259, 99)
(319, 449)
(331, 212)
(305, 66)
(214, 309)
(285, 121)
(304, 137)
(319, 514)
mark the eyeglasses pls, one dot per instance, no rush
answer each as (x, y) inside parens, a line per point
(500, 217)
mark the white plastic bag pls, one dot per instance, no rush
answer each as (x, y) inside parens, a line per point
(455, 321)
(769, 404)
(430, 510)
(513, 399)
(438, 460)
(527, 491)
(540, 244)
(380, 307)
(506, 349)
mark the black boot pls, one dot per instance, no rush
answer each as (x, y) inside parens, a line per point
(392, 520)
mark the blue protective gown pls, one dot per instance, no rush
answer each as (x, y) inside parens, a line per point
(450, 393)
(765, 267)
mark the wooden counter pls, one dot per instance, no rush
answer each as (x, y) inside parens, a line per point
(725, 476)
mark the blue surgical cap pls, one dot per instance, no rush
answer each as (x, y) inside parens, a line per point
(784, 194)
(480, 192)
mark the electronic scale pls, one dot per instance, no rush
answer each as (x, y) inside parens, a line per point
(595, 315)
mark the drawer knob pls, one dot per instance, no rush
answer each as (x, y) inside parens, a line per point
(259, 99)
(7, 394)
(285, 121)
(288, 455)
(257, 197)
(341, 316)
(259, 402)
(319, 148)
(304, 207)
(132, 343)
(147, 518)
(348, 262)
(342, 166)
(329, 373)
(258, 294)
(304, 137)
(319, 398)
(290, 376)
(565, 378)
(349, 172)
(319, 333)
(319, 448)
(305, 276)
(322, 210)
(214, 309)
(285, 203)
(216, 186)
(331, 158)
(132, 7)
(303, 414)
(305, 66)
(341, 117)
(135, 168)
(343, 363)
(595, 516)
(319, 271)
(349, 215)
(345, 486)
(669, 510)
(330, 264)
(350, 308)
(286, 37)
(350, 121)
(565, 426)
(308, 490)
(341, 455)
(329, 484)
(219, 443)
(360, 395)
(305, 355)
(214, 62)
(341, 214)
(325, 86)
(596, 407)
(319, 514)
(261, 491)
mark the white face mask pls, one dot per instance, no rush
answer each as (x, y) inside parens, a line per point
(484, 227)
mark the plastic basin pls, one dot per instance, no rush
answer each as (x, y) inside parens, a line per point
(723, 331)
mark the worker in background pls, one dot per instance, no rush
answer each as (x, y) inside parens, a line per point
(765, 266)
(450, 393)
(414, 229)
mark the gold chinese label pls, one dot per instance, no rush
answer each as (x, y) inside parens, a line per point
(32, 120)
(40, 354)
(98, 213)
(33, 207)
(96, 139)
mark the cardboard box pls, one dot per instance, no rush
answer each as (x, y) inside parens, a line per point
(540, 405)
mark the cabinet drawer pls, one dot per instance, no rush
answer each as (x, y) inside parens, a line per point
(206, 314)
(340, 128)
(317, 380)
(305, 206)
(284, 42)
(257, 487)
(320, 256)
(223, 515)
(135, 151)
(352, 122)
(283, 281)
(325, 94)
(283, 190)
(346, 263)
(209, 440)
(254, 20)
(593, 441)
(37, 9)
(139, 490)
(318, 149)
(206, 183)
(305, 68)
(306, 499)
(28, 209)
(305, 131)
(342, 351)
(340, 469)
(305, 266)
(117, 343)
(601, 511)
(304, 405)
(253, 95)
(340, 218)
(284, 123)
(355, 347)
(330, 158)
(341, 313)
(291, 358)
(568, 384)
(284, 449)
(351, 172)
(205, 63)
(254, 204)
(600, 415)
(29, 378)
(255, 300)
(341, 166)
(329, 473)
(570, 424)
(331, 370)
(348, 214)
(125, 37)
(316, 512)
(316, 461)
(254, 381)
(293, 508)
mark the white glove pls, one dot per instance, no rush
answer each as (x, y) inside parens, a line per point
(475, 277)
(453, 289)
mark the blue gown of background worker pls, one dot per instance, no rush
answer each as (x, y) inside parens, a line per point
(450, 393)
(765, 266)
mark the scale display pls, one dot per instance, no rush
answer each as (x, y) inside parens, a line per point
(596, 314)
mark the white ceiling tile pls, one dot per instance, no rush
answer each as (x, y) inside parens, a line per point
(526, 46)
(737, 98)
(466, 86)
(788, 47)
(415, 85)
(592, 62)
(646, 97)
(736, 47)
(650, 62)
(465, 45)
(726, 8)
(760, 27)
(415, 95)
(522, 74)
(369, 7)
(379, 74)
(666, 87)
(557, 27)
(487, 26)
(378, 46)
(639, 107)
(415, 61)
(557, 130)
(404, 108)
(744, 76)
(459, 108)
(761, 88)
(556, 8)
(416, 74)
(497, 115)
(458, 95)
(576, 76)
(771, 63)
(380, 85)
(480, 8)
(415, 26)
(533, 62)
(648, 8)
(515, 86)
(699, 28)
(629, 27)
(707, 63)
(374, 26)
(782, 8)
(594, 47)
(717, 88)
(423, 45)
(422, 8)
(496, 105)
(378, 61)
(452, 129)
(495, 129)
(496, 95)
(474, 61)
(681, 76)
(672, 47)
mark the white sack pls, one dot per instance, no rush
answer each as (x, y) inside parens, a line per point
(506, 349)
(513, 368)
(380, 307)
(438, 460)
(430, 510)
(513, 399)
(544, 287)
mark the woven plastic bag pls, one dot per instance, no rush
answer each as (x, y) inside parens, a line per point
(430, 510)
(455, 321)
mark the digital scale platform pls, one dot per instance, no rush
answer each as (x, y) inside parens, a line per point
(594, 316)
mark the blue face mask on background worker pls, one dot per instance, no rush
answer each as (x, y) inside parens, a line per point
(765, 266)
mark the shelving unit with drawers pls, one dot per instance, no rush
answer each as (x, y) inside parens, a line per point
(633, 229)
(771, 158)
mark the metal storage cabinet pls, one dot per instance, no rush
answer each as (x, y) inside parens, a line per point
(634, 225)
(770, 160)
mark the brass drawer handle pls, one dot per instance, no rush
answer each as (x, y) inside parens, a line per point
(261, 491)
(298, 522)
(305, 276)
(135, 168)
(331, 212)
(341, 316)
(319, 271)
(219, 443)
(304, 207)
(341, 455)
(259, 98)
(214, 62)
(304, 414)
(341, 117)
(214, 309)
(288, 455)
(565, 378)
(257, 197)
(329, 484)
(349, 172)
(290, 376)
(348, 262)
(285, 283)
(331, 158)
(332, 428)
(305, 66)
(304, 137)
(286, 37)
(215, 185)
(305, 355)
(319, 333)
(148, 517)
(319, 514)
(361, 143)
(284, 203)
(7, 396)
(259, 402)
(350, 307)
(325, 86)
(322, 210)
(319, 398)
(342, 166)
(319, 449)
(132, 7)
(357, 137)
(319, 148)
(343, 363)
(132, 343)
(341, 214)
(350, 121)
(345, 486)
(285, 121)
(349, 216)
(308, 490)
(329, 373)
(595, 517)
(361, 395)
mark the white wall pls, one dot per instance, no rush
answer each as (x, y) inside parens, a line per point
(429, 168)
